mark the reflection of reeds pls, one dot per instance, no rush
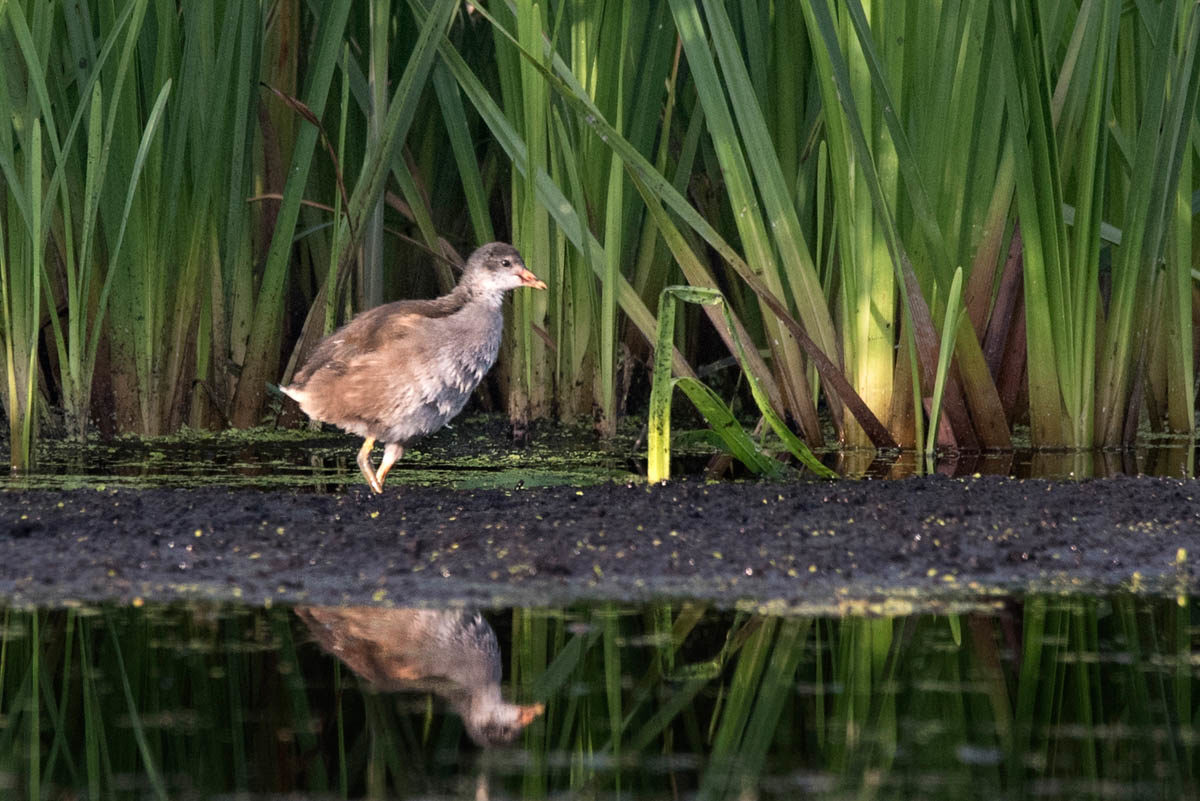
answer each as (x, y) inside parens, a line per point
(828, 171)
(1078, 693)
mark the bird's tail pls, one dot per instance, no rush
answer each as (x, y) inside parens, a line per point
(298, 395)
(276, 389)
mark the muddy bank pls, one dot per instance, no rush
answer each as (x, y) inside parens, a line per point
(811, 545)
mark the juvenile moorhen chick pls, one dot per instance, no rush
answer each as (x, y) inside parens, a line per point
(452, 653)
(402, 370)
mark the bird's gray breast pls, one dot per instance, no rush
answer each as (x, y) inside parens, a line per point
(460, 354)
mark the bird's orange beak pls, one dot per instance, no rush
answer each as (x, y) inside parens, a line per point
(530, 280)
(528, 713)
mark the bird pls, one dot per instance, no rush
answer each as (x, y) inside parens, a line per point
(450, 652)
(402, 370)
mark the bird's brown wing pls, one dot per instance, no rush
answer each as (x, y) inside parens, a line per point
(387, 326)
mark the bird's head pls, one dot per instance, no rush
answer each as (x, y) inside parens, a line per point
(491, 721)
(498, 267)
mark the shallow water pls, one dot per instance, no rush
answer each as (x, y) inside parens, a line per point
(474, 453)
(1046, 697)
(479, 452)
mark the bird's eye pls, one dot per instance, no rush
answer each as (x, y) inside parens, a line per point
(506, 263)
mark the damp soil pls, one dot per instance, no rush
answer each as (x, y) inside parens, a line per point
(865, 545)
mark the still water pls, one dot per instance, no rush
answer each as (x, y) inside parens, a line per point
(1027, 697)
(478, 452)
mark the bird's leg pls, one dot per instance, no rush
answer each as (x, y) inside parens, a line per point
(391, 454)
(364, 464)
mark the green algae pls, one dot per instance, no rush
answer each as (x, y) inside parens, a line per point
(479, 452)
(476, 452)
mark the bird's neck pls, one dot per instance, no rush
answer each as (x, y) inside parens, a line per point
(480, 296)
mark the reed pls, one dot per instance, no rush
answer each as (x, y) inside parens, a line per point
(725, 427)
(20, 273)
(218, 185)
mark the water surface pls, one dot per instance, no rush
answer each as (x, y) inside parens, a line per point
(479, 452)
(1031, 697)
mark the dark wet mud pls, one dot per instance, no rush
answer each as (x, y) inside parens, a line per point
(873, 545)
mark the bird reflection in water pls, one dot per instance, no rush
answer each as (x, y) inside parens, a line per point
(453, 653)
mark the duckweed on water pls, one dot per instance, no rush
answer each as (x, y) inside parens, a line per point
(475, 453)
(478, 452)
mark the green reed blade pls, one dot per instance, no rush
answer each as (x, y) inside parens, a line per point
(1082, 701)
(773, 697)
(749, 674)
(1039, 200)
(17, 692)
(1181, 688)
(370, 267)
(6, 637)
(950, 326)
(708, 402)
(1029, 671)
(1140, 703)
(665, 713)
(750, 219)
(80, 349)
(569, 90)
(330, 288)
(1044, 405)
(614, 233)
(22, 259)
(1166, 124)
(18, 453)
(658, 424)
(955, 623)
(714, 410)
(865, 279)
(528, 659)
(736, 440)
(230, 286)
(575, 312)
(916, 310)
(565, 215)
(259, 366)
(1177, 341)
(455, 119)
(768, 175)
(152, 124)
(694, 677)
(236, 219)
(698, 275)
(610, 621)
(914, 183)
(301, 714)
(139, 732)
(93, 734)
(56, 708)
(700, 278)
(237, 672)
(37, 244)
(531, 220)
(34, 710)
